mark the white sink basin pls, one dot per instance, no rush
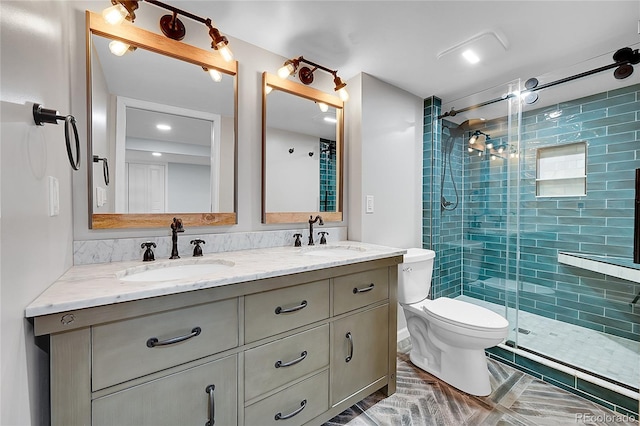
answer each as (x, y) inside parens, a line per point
(169, 271)
(333, 251)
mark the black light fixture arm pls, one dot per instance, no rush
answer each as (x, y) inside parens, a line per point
(624, 59)
(173, 9)
(313, 64)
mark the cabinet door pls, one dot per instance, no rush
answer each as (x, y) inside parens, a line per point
(360, 351)
(183, 398)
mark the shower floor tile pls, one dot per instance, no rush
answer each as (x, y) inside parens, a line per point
(607, 355)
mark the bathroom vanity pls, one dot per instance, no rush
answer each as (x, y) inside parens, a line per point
(256, 337)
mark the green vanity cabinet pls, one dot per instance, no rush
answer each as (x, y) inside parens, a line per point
(252, 353)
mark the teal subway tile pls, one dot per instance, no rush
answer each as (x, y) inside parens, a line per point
(501, 353)
(578, 306)
(607, 395)
(628, 89)
(546, 371)
(608, 102)
(580, 322)
(607, 322)
(621, 333)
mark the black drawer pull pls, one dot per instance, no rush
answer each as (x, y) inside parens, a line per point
(154, 342)
(279, 363)
(302, 305)
(350, 338)
(212, 405)
(357, 290)
(280, 416)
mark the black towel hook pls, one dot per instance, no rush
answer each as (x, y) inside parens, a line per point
(43, 115)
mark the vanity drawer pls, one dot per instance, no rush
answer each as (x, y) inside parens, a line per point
(357, 290)
(302, 402)
(125, 350)
(275, 311)
(266, 368)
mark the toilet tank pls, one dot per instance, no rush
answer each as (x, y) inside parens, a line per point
(414, 275)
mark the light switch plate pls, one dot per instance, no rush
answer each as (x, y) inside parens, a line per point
(54, 196)
(369, 208)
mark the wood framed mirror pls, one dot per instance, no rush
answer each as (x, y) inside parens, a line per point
(302, 152)
(168, 131)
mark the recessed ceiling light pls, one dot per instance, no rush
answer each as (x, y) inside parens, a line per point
(164, 127)
(470, 56)
(156, 154)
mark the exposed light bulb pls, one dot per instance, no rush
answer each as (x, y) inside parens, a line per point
(473, 139)
(323, 107)
(500, 149)
(114, 15)
(215, 75)
(225, 52)
(268, 89)
(489, 145)
(344, 95)
(118, 48)
(470, 149)
(286, 70)
(493, 157)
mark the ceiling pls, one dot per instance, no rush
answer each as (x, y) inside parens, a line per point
(400, 42)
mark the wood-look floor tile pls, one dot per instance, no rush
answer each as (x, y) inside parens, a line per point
(517, 399)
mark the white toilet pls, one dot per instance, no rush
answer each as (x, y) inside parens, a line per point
(448, 336)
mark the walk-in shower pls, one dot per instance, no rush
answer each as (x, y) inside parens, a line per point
(546, 196)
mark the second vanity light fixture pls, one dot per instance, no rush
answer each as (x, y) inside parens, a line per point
(170, 25)
(305, 74)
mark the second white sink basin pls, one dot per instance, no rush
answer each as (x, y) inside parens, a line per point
(167, 271)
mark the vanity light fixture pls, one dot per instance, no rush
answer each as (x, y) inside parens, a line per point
(305, 74)
(323, 107)
(171, 26)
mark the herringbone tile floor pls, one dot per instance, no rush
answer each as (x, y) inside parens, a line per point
(517, 399)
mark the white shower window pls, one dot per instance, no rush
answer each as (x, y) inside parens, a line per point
(561, 170)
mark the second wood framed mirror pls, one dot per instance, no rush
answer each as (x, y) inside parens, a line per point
(302, 152)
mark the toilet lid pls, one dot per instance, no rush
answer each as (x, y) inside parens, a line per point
(465, 313)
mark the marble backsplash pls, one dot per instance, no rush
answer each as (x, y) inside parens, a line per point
(126, 249)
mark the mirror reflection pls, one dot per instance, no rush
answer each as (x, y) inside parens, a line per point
(167, 131)
(302, 146)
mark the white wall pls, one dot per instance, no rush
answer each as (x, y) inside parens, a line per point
(189, 188)
(384, 131)
(36, 249)
(297, 172)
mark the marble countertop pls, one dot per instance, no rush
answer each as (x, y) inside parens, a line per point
(87, 286)
(620, 267)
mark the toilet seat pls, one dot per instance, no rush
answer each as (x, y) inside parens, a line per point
(463, 314)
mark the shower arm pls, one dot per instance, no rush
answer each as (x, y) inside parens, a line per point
(616, 64)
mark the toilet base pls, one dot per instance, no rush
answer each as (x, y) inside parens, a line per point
(465, 370)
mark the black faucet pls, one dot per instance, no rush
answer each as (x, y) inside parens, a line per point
(176, 226)
(323, 238)
(197, 250)
(311, 222)
(148, 253)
